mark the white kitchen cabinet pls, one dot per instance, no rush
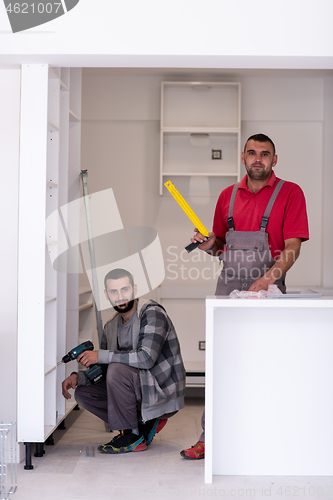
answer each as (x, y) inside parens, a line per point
(47, 299)
(269, 385)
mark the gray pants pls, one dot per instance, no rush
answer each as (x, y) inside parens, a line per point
(116, 400)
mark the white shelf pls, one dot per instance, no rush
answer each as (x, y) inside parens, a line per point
(65, 77)
(73, 117)
(199, 174)
(197, 368)
(197, 118)
(49, 369)
(54, 73)
(63, 87)
(51, 184)
(216, 105)
(48, 430)
(194, 366)
(51, 127)
(82, 307)
(50, 299)
(200, 130)
(87, 320)
(68, 408)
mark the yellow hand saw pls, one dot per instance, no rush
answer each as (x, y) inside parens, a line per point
(190, 214)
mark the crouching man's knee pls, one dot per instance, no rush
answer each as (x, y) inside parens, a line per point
(122, 380)
(120, 373)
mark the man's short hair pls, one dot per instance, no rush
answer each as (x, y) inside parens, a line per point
(116, 274)
(260, 138)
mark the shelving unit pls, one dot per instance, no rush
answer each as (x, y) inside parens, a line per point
(47, 312)
(87, 322)
(197, 118)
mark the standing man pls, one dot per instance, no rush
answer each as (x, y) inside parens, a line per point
(145, 380)
(259, 226)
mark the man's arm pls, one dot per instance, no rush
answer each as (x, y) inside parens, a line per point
(286, 259)
(69, 383)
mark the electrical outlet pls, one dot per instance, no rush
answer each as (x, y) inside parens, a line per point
(216, 154)
(202, 345)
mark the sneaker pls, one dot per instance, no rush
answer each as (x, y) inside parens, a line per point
(152, 427)
(196, 452)
(123, 443)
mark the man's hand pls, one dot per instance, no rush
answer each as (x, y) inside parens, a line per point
(69, 383)
(88, 358)
(261, 284)
(203, 239)
(286, 259)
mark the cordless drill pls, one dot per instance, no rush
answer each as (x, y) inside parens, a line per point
(95, 373)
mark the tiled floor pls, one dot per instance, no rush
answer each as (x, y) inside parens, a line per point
(66, 473)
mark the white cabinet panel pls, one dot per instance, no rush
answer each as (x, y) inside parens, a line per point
(42, 299)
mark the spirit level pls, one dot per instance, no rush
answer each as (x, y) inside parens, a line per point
(189, 212)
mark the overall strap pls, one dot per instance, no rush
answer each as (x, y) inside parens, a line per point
(231, 206)
(265, 217)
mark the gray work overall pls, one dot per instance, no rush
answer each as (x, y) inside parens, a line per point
(248, 256)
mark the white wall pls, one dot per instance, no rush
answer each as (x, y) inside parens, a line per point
(120, 148)
(291, 112)
(218, 33)
(9, 161)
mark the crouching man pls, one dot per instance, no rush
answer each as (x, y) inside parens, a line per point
(145, 380)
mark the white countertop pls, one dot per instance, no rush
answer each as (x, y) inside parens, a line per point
(226, 301)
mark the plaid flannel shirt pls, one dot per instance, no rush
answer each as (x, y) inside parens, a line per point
(156, 354)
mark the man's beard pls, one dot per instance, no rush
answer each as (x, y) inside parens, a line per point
(258, 175)
(125, 308)
(127, 305)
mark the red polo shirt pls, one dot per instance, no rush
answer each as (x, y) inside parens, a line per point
(288, 218)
